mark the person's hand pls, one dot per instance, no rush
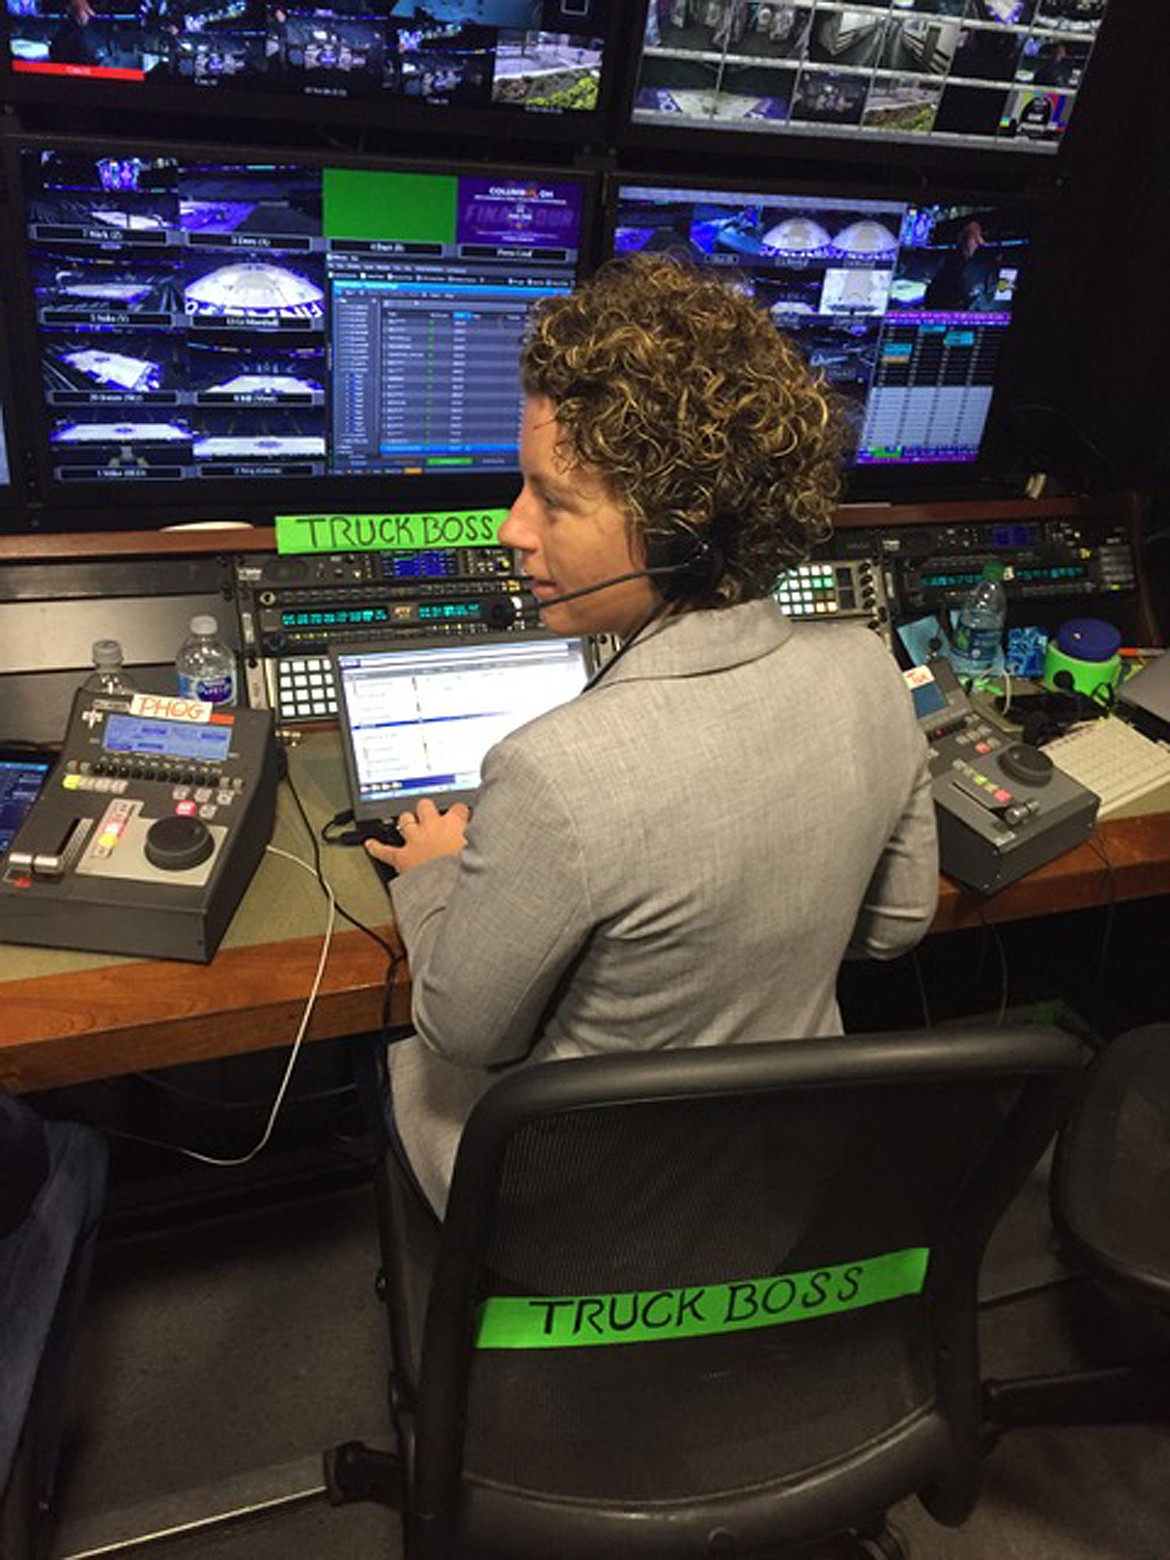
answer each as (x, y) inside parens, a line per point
(428, 834)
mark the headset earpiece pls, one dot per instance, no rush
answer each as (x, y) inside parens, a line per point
(685, 563)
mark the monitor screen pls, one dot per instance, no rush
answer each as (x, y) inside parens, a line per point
(903, 306)
(22, 775)
(1002, 73)
(502, 61)
(417, 719)
(215, 320)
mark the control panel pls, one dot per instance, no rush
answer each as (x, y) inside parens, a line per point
(148, 830)
(1002, 806)
(292, 608)
(841, 588)
(1056, 558)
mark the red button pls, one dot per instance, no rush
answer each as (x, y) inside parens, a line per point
(1002, 796)
(185, 809)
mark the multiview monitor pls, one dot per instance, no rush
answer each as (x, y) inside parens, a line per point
(212, 320)
(994, 73)
(904, 306)
(500, 61)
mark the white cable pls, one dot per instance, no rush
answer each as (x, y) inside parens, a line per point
(327, 942)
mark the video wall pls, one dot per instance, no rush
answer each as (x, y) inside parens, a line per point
(238, 326)
(201, 318)
(1001, 73)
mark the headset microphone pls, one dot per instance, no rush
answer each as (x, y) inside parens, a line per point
(699, 569)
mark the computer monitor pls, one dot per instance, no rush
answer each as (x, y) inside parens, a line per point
(903, 304)
(523, 67)
(417, 718)
(1002, 74)
(277, 328)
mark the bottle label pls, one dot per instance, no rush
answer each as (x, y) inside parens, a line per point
(210, 690)
(977, 646)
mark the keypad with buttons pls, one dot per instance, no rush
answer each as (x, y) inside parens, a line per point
(305, 689)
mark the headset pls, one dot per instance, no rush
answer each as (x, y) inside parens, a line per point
(690, 562)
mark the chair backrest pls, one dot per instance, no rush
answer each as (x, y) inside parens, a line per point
(720, 1291)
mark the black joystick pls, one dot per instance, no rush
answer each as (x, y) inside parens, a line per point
(178, 843)
(1022, 761)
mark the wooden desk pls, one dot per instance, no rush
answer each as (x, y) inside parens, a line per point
(1126, 858)
(70, 1018)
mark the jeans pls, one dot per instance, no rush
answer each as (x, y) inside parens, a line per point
(44, 1269)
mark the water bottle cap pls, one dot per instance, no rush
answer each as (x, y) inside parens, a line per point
(107, 652)
(204, 623)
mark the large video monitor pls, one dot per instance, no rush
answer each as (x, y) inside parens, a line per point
(903, 305)
(212, 322)
(1001, 74)
(532, 67)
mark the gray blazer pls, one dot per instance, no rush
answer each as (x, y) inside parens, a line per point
(682, 856)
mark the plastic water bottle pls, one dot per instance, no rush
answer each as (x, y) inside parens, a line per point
(108, 675)
(978, 635)
(206, 667)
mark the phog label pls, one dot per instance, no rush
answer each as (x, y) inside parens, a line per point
(648, 1315)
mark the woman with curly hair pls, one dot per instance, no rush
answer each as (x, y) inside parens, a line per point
(683, 855)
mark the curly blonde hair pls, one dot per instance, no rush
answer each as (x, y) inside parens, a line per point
(697, 413)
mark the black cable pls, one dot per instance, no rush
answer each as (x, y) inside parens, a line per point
(990, 926)
(917, 963)
(1027, 1291)
(178, 1148)
(194, 1097)
(626, 645)
(1097, 844)
(1087, 446)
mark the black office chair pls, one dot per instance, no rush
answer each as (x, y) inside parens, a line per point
(1110, 1198)
(718, 1301)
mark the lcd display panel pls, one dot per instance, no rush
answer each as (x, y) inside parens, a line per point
(207, 319)
(504, 62)
(904, 306)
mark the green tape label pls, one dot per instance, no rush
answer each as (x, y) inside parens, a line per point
(646, 1316)
(388, 533)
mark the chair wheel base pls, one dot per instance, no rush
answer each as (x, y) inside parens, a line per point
(356, 1472)
(886, 1545)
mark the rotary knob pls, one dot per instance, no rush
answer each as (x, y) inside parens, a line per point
(178, 843)
(1024, 762)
